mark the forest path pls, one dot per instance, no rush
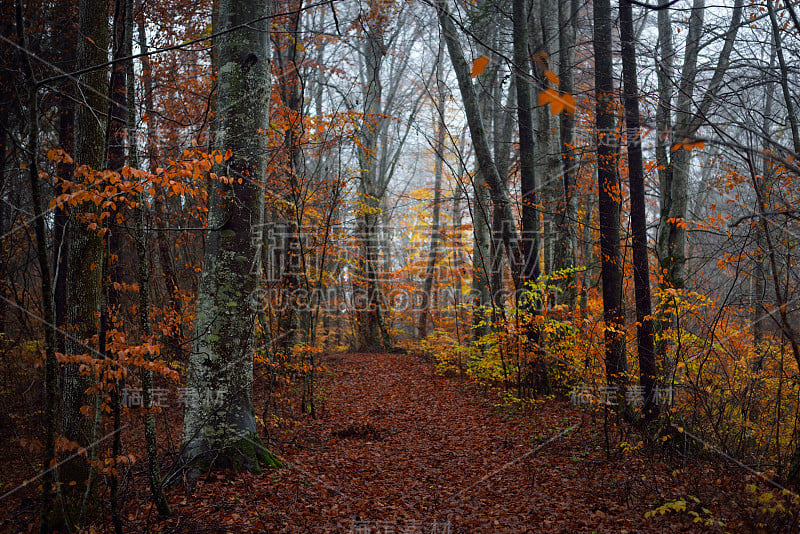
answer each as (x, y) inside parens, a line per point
(397, 448)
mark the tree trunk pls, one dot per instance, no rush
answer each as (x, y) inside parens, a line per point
(480, 291)
(143, 278)
(159, 215)
(527, 145)
(784, 78)
(288, 56)
(112, 271)
(483, 155)
(641, 264)
(548, 171)
(535, 160)
(566, 217)
(758, 279)
(609, 198)
(47, 520)
(666, 93)
(503, 123)
(66, 38)
(674, 192)
(372, 331)
(433, 254)
(219, 427)
(85, 246)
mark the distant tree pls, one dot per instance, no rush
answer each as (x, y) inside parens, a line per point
(690, 113)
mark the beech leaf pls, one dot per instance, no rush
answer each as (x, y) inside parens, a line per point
(479, 65)
(552, 76)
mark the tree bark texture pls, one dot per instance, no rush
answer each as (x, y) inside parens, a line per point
(219, 424)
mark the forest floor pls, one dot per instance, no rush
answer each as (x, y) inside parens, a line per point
(397, 448)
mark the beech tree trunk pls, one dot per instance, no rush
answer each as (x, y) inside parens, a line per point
(372, 331)
(160, 214)
(758, 280)
(609, 198)
(288, 59)
(675, 176)
(784, 78)
(486, 164)
(641, 264)
(143, 277)
(544, 35)
(482, 297)
(433, 253)
(527, 145)
(66, 39)
(503, 123)
(219, 426)
(480, 290)
(566, 216)
(85, 248)
(47, 519)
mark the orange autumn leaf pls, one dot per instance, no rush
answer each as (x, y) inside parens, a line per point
(569, 102)
(556, 105)
(688, 144)
(479, 65)
(546, 96)
(558, 101)
(699, 145)
(540, 59)
(552, 76)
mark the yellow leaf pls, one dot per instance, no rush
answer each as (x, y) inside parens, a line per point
(552, 76)
(479, 65)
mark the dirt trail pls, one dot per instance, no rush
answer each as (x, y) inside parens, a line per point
(397, 448)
